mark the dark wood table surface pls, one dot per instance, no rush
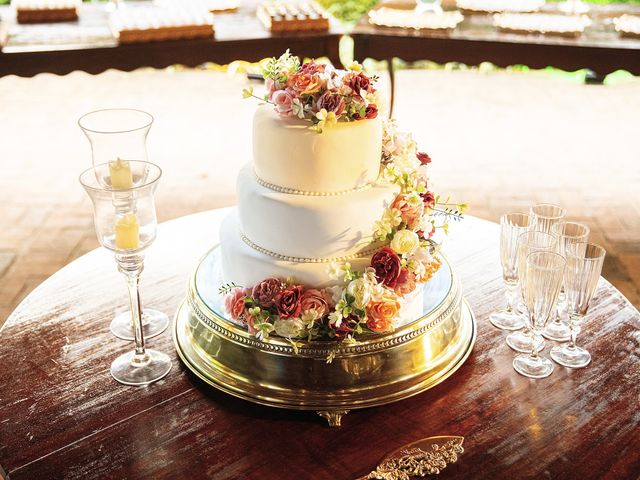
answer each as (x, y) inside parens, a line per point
(600, 48)
(62, 416)
(89, 46)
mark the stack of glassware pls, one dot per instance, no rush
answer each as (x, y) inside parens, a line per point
(550, 262)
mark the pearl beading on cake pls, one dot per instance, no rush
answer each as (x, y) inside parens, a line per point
(293, 191)
(286, 258)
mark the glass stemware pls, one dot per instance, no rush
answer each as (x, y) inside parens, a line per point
(125, 223)
(567, 233)
(543, 273)
(116, 136)
(528, 242)
(546, 215)
(512, 225)
(584, 266)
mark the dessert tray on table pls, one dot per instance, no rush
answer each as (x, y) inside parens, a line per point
(328, 377)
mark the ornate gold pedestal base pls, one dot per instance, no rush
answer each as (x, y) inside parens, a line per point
(376, 370)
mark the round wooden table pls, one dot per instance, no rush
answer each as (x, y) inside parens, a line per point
(62, 416)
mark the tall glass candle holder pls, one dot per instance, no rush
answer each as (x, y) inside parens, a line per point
(125, 223)
(117, 136)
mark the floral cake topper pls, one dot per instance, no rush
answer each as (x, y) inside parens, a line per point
(318, 93)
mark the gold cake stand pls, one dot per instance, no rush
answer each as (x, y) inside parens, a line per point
(376, 370)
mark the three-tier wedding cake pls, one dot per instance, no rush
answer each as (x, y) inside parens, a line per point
(332, 234)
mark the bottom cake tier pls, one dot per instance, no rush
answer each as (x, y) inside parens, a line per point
(326, 376)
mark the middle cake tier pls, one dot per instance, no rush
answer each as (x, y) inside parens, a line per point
(310, 226)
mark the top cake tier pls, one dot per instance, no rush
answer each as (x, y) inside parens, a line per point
(287, 154)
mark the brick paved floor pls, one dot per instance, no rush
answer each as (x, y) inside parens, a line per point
(501, 141)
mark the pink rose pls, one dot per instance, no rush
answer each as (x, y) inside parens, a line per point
(283, 101)
(265, 292)
(234, 303)
(287, 301)
(315, 299)
(411, 214)
(331, 102)
(272, 86)
(305, 83)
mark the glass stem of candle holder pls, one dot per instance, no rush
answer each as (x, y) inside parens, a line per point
(131, 266)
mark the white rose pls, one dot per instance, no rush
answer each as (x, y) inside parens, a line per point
(405, 241)
(290, 328)
(360, 290)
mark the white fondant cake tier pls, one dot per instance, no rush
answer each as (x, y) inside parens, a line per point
(246, 266)
(310, 226)
(287, 153)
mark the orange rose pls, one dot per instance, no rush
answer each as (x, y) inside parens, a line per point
(380, 314)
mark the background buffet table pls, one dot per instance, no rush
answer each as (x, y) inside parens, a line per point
(62, 415)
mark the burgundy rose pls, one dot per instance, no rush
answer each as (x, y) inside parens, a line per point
(315, 299)
(370, 112)
(405, 283)
(331, 102)
(287, 301)
(312, 67)
(346, 327)
(386, 263)
(424, 158)
(429, 199)
(359, 82)
(264, 292)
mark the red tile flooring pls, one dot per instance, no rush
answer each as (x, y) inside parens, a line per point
(500, 141)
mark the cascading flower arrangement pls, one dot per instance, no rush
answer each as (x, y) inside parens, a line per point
(318, 93)
(361, 301)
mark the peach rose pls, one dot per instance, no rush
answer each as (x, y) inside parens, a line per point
(234, 303)
(410, 213)
(406, 283)
(380, 314)
(305, 83)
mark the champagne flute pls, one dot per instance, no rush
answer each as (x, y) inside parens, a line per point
(543, 273)
(567, 233)
(125, 223)
(511, 226)
(584, 266)
(545, 215)
(117, 135)
(528, 242)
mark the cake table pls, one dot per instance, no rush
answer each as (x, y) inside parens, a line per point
(62, 415)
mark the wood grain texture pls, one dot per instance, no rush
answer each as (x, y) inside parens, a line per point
(63, 417)
(475, 40)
